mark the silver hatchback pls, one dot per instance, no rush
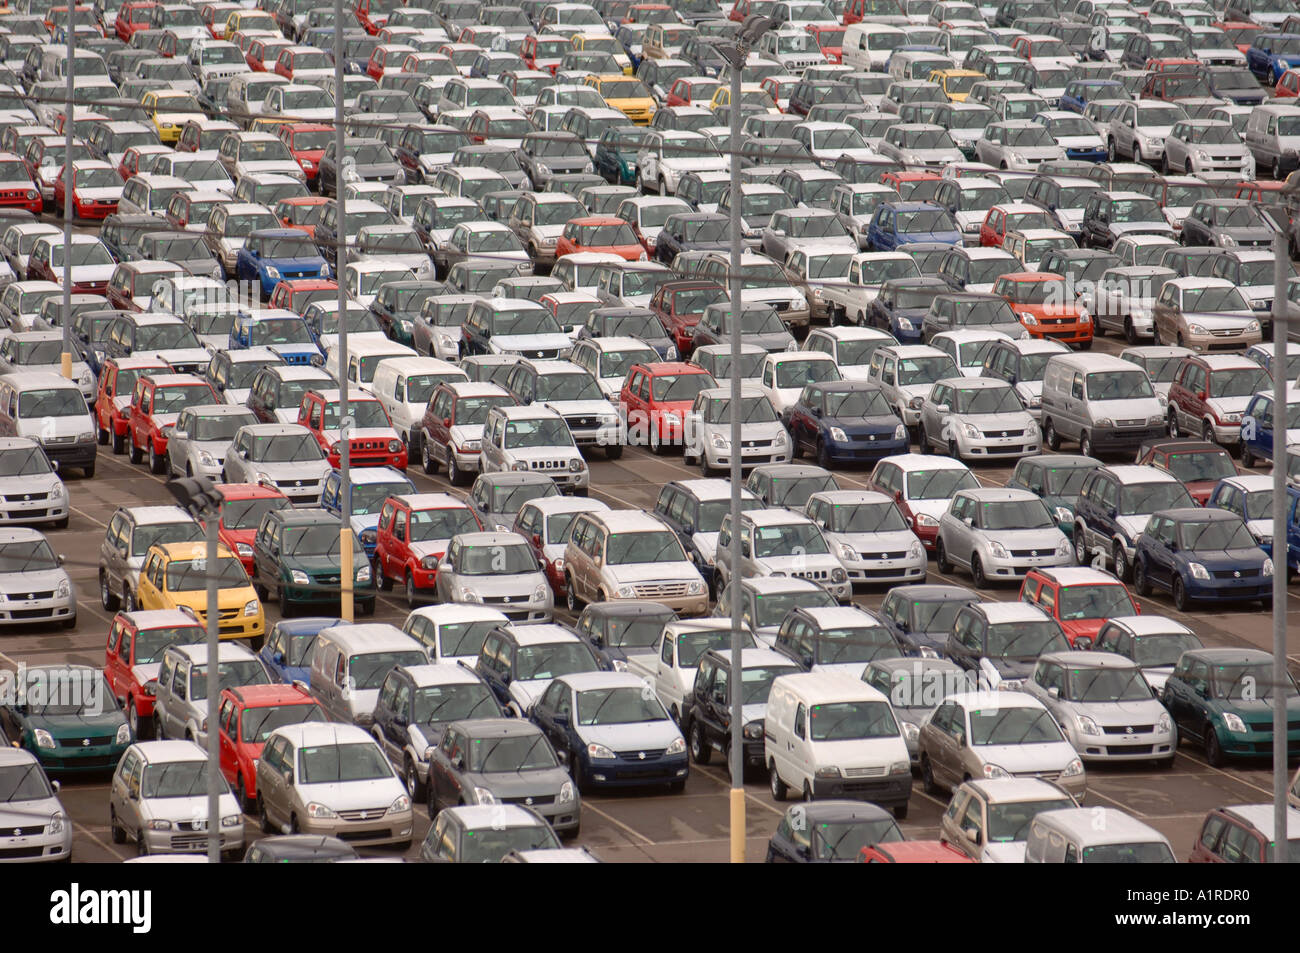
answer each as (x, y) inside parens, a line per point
(999, 535)
(497, 570)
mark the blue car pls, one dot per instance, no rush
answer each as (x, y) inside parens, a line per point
(1292, 530)
(289, 646)
(1258, 424)
(845, 422)
(1201, 555)
(279, 331)
(1271, 55)
(272, 255)
(901, 306)
(370, 487)
(1080, 91)
(907, 223)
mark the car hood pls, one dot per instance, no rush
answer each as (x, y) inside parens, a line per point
(516, 785)
(653, 572)
(183, 810)
(586, 408)
(1007, 421)
(645, 735)
(22, 813)
(1022, 759)
(350, 795)
(900, 540)
(522, 343)
(24, 582)
(1006, 852)
(526, 692)
(301, 470)
(1140, 228)
(78, 726)
(1115, 713)
(146, 672)
(362, 433)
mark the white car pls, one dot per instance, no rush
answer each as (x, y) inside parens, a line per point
(362, 279)
(1020, 145)
(906, 373)
(868, 533)
(919, 144)
(393, 245)
(851, 347)
(1156, 643)
(779, 542)
(785, 374)
(34, 825)
(977, 417)
(827, 141)
(708, 430)
(1209, 149)
(665, 156)
(453, 632)
(967, 347)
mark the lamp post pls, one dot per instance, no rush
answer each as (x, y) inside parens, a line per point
(754, 27)
(200, 498)
(346, 569)
(68, 126)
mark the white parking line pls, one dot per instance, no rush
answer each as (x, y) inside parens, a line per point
(86, 831)
(646, 841)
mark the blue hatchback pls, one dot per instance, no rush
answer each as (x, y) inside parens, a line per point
(1201, 555)
(904, 223)
(272, 255)
(1259, 422)
(289, 646)
(845, 422)
(280, 331)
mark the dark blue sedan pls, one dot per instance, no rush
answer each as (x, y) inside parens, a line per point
(288, 650)
(903, 223)
(845, 422)
(1201, 555)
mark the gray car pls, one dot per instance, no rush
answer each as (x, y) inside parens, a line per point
(497, 570)
(365, 160)
(197, 443)
(999, 534)
(544, 154)
(131, 531)
(502, 761)
(285, 456)
(977, 418)
(181, 708)
(496, 498)
(30, 488)
(760, 326)
(34, 587)
(790, 229)
(34, 826)
(914, 687)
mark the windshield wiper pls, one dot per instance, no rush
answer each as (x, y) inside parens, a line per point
(523, 759)
(599, 708)
(6, 796)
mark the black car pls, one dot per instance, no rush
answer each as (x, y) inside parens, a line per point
(899, 309)
(921, 616)
(707, 722)
(694, 509)
(828, 832)
(121, 234)
(692, 231)
(398, 304)
(858, 411)
(299, 849)
(1224, 222)
(613, 629)
(640, 323)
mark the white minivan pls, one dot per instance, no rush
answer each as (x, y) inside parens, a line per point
(350, 663)
(829, 735)
(1094, 835)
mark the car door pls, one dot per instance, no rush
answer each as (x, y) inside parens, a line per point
(943, 746)
(1159, 553)
(172, 701)
(227, 738)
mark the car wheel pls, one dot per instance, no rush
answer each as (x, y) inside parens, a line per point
(156, 463)
(923, 441)
(116, 831)
(1277, 169)
(293, 824)
(286, 604)
(928, 784)
(674, 787)
(128, 600)
(613, 451)
(119, 444)
(1207, 432)
(1085, 444)
(141, 845)
(1173, 424)
(88, 471)
(1137, 152)
(900, 811)
(1140, 581)
(1053, 438)
(382, 582)
(953, 451)
(101, 436)
(241, 795)
(824, 455)
(977, 573)
(1112, 154)
(454, 474)
(663, 185)
(656, 447)
(1181, 601)
(1080, 547)
(1247, 458)
(941, 559)
(807, 792)
(1130, 332)
(414, 786)
(779, 790)
(706, 469)
(135, 454)
(571, 599)
(1123, 571)
(132, 718)
(1164, 164)
(427, 459)
(701, 753)
(412, 594)
(1213, 750)
(109, 601)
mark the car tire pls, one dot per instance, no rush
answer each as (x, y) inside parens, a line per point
(1213, 749)
(1207, 432)
(941, 560)
(953, 452)
(701, 753)
(656, 446)
(674, 787)
(116, 832)
(1051, 436)
(1130, 332)
(241, 795)
(1277, 169)
(1140, 581)
(1080, 546)
(88, 471)
(412, 594)
(807, 793)
(366, 606)
(1166, 764)
(900, 811)
(1119, 559)
(455, 476)
(427, 460)
(156, 463)
(382, 582)
(923, 442)
(128, 600)
(109, 601)
(1172, 429)
(133, 720)
(571, 600)
(286, 604)
(1112, 153)
(1137, 152)
(928, 784)
(977, 572)
(777, 786)
(1085, 444)
(1247, 458)
(1179, 593)
(101, 436)
(135, 454)
(119, 444)
(613, 451)
(824, 456)
(414, 786)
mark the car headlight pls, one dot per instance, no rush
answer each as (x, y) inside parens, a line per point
(252, 607)
(123, 736)
(1105, 422)
(1268, 567)
(900, 432)
(243, 549)
(676, 746)
(1252, 327)
(998, 550)
(1234, 723)
(905, 325)
(577, 464)
(1063, 548)
(64, 589)
(847, 551)
(58, 491)
(838, 435)
(827, 773)
(1196, 328)
(595, 751)
(469, 595)
(320, 811)
(566, 794)
(1063, 514)
(1155, 420)
(971, 431)
(1028, 318)
(925, 519)
(719, 442)
(838, 575)
(363, 574)
(519, 466)
(1227, 240)
(1198, 571)
(672, 419)
(401, 805)
(1073, 769)
(696, 587)
(55, 826)
(995, 771)
(754, 730)
(207, 459)
(158, 824)
(299, 577)
(915, 551)
(626, 592)
(1164, 724)
(1088, 726)
(916, 403)
(1230, 418)
(539, 593)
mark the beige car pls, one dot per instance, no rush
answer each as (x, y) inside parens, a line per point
(331, 779)
(1204, 314)
(626, 554)
(988, 820)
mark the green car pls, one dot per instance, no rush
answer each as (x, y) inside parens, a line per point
(1057, 479)
(1223, 698)
(296, 559)
(68, 718)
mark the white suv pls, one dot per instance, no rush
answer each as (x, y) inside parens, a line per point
(533, 439)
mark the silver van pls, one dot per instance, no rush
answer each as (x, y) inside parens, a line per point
(1094, 835)
(1273, 137)
(1101, 401)
(350, 663)
(51, 410)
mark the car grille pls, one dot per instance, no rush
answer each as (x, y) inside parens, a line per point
(1059, 321)
(876, 573)
(536, 801)
(1227, 332)
(371, 445)
(10, 195)
(15, 853)
(1128, 729)
(639, 755)
(503, 600)
(372, 834)
(993, 434)
(816, 575)
(91, 742)
(1130, 749)
(875, 772)
(548, 464)
(288, 486)
(327, 580)
(882, 555)
(31, 513)
(364, 814)
(1224, 164)
(547, 353)
(1267, 725)
(866, 788)
(1234, 573)
(22, 831)
(661, 590)
(582, 423)
(779, 305)
(20, 596)
(190, 842)
(24, 497)
(1042, 775)
(1031, 553)
(58, 440)
(187, 367)
(300, 359)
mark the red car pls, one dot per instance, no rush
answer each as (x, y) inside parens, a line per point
(1012, 216)
(293, 60)
(297, 294)
(599, 233)
(263, 52)
(830, 39)
(387, 58)
(301, 212)
(117, 379)
(691, 91)
(855, 10)
(242, 508)
(132, 283)
(1209, 393)
(413, 533)
(1179, 63)
(307, 142)
(452, 428)
(680, 305)
(913, 186)
(912, 852)
(133, 655)
(658, 397)
(135, 155)
(373, 14)
(1288, 87)
(1238, 835)
(156, 404)
(1241, 33)
(374, 442)
(132, 18)
(1079, 598)
(246, 716)
(96, 188)
(1198, 464)
(545, 52)
(17, 188)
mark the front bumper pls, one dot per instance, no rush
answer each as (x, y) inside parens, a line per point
(191, 841)
(26, 508)
(20, 611)
(752, 453)
(36, 847)
(881, 567)
(631, 772)
(887, 791)
(1015, 567)
(1123, 438)
(1072, 333)
(870, 448)
(72, 759)
(1213, 343)
(1123, 746)
(1024, 444)
(70, 454)
(1229, 590)
(1257, 742)
(233, 624)
(388, 829)
(371, 458)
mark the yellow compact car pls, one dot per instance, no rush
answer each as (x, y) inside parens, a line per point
(753, 98)
(626, 94)
(169, 110)
(175, 576)
(956, 83)
(605, 44)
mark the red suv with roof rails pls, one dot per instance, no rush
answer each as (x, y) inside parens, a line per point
(155, 405)
(413, 533)
(117, 380)
(133, 656)
(680, 305)
(1079, 598)
(246, 716)
(374, 442)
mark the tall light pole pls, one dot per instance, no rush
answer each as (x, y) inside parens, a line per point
(754, 27)
(68, 206)
(1281, 269)
(346, 569)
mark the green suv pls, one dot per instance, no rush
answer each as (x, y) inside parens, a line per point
(296, 559)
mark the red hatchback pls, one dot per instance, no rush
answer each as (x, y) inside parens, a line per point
(132, 18)
(133, 655)
(912, 852)
(656, 398)
(413, 533)
(680, 305)
(242, 508)
(307, 142)
(599, 233)
(246, 717)
(1079, 598)
(1197, 464)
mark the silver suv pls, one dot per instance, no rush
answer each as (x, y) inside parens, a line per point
(131, 531)
(536, 440)
(197, 443)
(181, 707)
(780, 542)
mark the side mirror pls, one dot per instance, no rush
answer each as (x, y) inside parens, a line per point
(277, 658)
(1083, 643)
(446, 421)
(961, 739)
(969, 521)
(288, 775)
(60, 558)
(56, 785)
(745, 548)
(688, 529)
(561, 719)
(537, 539)
(1054, 692)
(562, 753)
(942, 409)
(972, 836)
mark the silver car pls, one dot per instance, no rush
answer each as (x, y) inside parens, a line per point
(30, 488)
(869, 535)
(181, 706)
(914, 687)
(34, 587)
(976, 418)
(779, 542)
(1105, 706)
(497, 570)
(34, 826)
(999, 535)
(763, 438)
(198, 441)
(285, 456)
(131, 531)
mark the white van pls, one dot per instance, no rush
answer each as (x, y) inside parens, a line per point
(867, 47)
(829, 735)
(1094, 835)
(50, 409)
(1272, 135)
(364, 357)
(350, 663)
(404, 385)
(1103, 402)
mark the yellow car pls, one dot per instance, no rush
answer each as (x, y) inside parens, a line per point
(753, 98)
(169, 110)
(245, 19)
(175, 576)
(626, 94)
(956, 83)
(605, 44)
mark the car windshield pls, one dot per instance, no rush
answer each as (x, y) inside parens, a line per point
(222, 428)
(623, 705)
(230, 674)
(1201, 465)
(939, 484)
(1146, 498)
(158, 337)
(365, 413)
(539, 432)
(158, 534)
(58, 402)
(256, 724)
(1247, 681)
(1019, 725)
(830, 266)
(679, 387)
(443, 523)
(1119, 385)
(790, 539)
(752, 410)
(367, 670)
(1214, 535)
(23, 782)
(177, 779)
(463, 638)
(452, 702)
(472, 411)
(858, 644)
(496, 559)
(925, 370)
(1066, 481)
(1135, 210)
(1028, 639)
(1107, 684)
(1162, 648)
(524, 321)
(551, 660)
(793, 492)
(866, 518)
(509, 499)
(798, 372)
(852, 721)
(635, 325)
(321, 539)
(987, 400)
(190, 575)
(705, 230)
(558, 213)
(420, 387)
(616, 363)
(332, 764)
(494, 240)
(286, 448)
(30, 461)
(1009, 822)
(626, 549)
(1014, 514)
(639, 631)
(150, 643)
(278, 331)
(926, 220)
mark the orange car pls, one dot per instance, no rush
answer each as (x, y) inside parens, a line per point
(1288, 87)
(913, 186)
(1046, 306)
(600, 233)
(301, 212)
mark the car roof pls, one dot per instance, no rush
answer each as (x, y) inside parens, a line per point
(1005, 790)
(999, 612)
(1079, 576)
(1100, 825)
